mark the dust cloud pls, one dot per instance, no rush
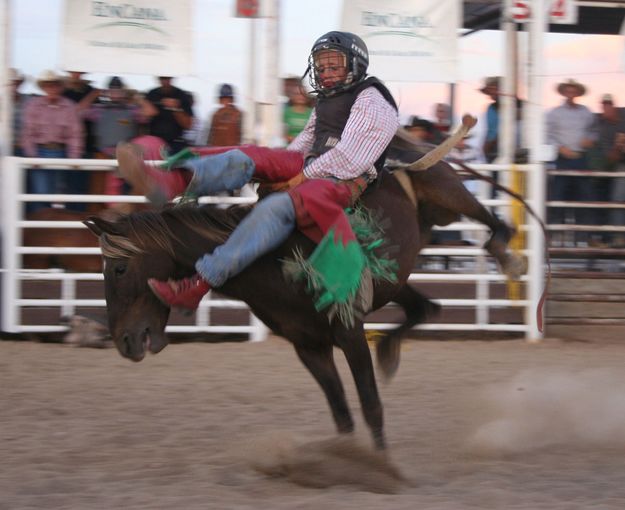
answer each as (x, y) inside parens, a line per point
(344, 461)
(541, 408)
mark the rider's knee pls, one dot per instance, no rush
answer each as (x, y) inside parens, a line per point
(277, 206)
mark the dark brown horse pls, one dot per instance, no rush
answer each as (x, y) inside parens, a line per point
(166, 245)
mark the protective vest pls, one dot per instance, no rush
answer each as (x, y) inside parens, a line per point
(332, 114)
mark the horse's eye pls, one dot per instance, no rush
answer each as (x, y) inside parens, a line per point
(120, 269)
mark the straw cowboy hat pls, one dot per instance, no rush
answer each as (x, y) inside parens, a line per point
(581, 90)
(48, 76)
(491, 81)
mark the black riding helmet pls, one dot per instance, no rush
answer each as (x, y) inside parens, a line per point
(356, 57)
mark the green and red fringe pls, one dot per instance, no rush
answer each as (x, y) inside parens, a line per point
(340, 275)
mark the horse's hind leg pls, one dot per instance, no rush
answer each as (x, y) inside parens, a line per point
(417, 308)
(320, 363)
(354, 345)
(442, 186)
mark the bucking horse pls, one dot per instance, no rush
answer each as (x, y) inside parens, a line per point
(165, 244)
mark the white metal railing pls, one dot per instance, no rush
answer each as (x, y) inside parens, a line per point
(13, 176)
(480, 270)
(570, 228)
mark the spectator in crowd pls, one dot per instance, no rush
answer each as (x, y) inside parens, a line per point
(51, 128)
(618, 189)
(610, 121)
(296, 113)
(571, 130)
(193, 135)
(604, 156)
(442, 119)
(491, 89)
(425, 131)
(19, 101)
(226, 124)
(490, 147)
(422, 130)
(170, 113)
(290, 84)
(610, 156)
(80, 91)
(116, 118)
(463, 151)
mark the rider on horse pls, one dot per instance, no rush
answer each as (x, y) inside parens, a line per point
(324, 170)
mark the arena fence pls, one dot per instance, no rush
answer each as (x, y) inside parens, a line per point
(482, 304)
(575, 240)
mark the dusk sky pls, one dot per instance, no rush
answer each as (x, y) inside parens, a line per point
(221, 55)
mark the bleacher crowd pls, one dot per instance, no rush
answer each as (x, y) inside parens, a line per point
(70, 118)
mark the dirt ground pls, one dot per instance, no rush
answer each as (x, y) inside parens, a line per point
(470, 425)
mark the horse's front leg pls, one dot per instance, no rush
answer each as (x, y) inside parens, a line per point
(354, 344)
(320, 362)
(418, 309)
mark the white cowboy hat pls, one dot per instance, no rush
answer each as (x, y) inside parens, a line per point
(581, 89)
(48, 76)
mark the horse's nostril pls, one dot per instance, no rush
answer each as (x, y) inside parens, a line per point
(126, 344)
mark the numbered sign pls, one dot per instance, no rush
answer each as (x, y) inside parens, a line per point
(560, 11)
(563, 12)
(520, 11)
(247, 9)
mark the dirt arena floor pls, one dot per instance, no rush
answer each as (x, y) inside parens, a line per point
(471, 425)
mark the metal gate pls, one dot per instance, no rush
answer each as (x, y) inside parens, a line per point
(483, 303)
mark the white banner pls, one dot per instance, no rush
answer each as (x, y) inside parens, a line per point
(128, 36)
(408, 40)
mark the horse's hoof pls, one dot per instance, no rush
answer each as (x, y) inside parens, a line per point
(514, 266)
(388, 352)
(379, 441)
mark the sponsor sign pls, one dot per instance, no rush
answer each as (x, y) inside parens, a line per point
(407, 40)
(128, 36)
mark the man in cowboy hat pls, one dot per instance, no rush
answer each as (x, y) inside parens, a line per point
(490, 147)
(571, 130)
(51, 128)
(609, 155)
(491, 89)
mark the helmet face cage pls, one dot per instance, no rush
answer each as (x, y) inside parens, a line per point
(356, 61)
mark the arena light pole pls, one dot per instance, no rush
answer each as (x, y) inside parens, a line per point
(536, 137)
(271, 131)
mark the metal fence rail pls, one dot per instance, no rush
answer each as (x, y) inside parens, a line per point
(475, 268)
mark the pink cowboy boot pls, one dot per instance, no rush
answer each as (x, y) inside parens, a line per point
(157, 185)
(186, 293)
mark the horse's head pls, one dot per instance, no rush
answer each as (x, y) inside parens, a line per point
(136, 317)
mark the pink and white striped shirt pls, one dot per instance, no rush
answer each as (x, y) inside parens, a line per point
(371, 125)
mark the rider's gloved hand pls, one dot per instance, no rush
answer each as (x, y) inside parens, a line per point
(285, 185)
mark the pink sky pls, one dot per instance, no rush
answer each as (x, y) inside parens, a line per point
(595, 61)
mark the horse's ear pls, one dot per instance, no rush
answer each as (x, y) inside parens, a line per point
(100, 226)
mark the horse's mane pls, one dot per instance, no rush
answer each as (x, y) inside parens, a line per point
(141, 232)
